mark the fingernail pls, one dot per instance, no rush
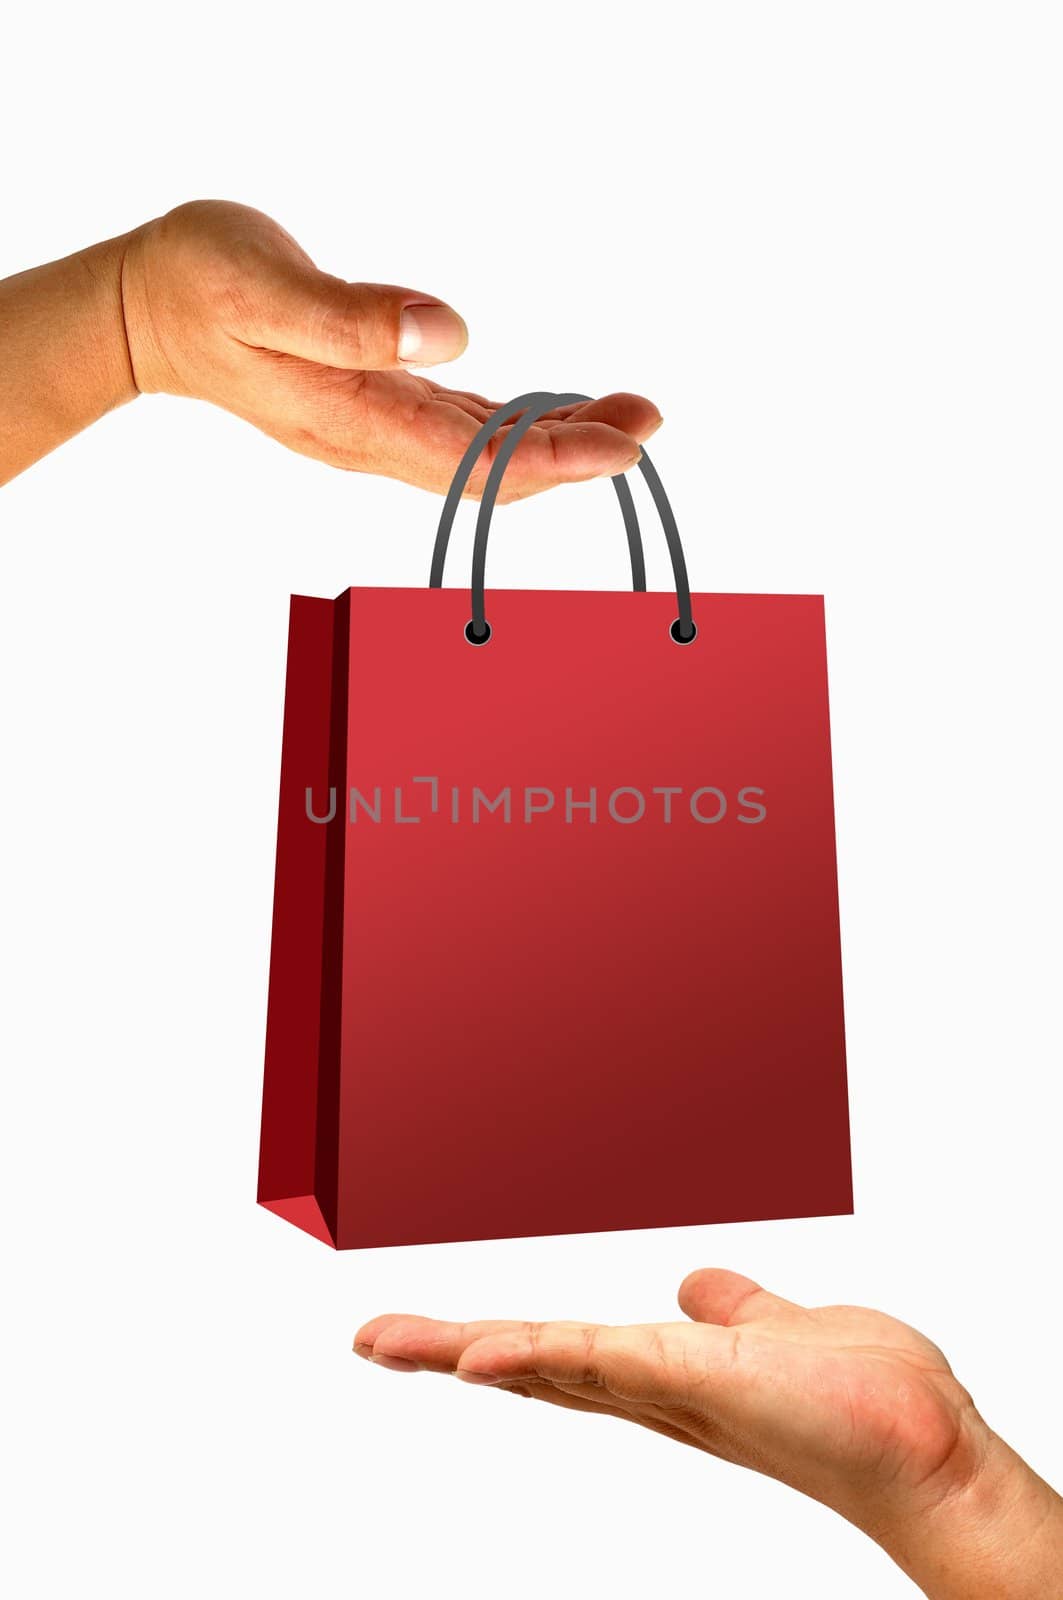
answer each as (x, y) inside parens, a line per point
(395, 1363)
(428, 334)
(476, 1377)
(363, 1350)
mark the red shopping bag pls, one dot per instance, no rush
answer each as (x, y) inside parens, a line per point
(555, 942)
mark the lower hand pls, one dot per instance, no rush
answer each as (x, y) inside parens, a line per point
(846, 1405)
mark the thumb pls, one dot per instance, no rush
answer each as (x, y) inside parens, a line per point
(358, 326)
(730, 1300)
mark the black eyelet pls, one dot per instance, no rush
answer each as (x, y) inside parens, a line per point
(477, 638)
(677, 634)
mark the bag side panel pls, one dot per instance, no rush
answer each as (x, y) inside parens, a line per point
(287, 1182)
(326, 1155)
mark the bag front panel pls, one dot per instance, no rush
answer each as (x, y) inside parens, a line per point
(558, 1020)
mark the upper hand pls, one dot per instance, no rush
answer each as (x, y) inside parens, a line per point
(221, 304)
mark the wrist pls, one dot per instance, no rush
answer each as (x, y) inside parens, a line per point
(104, 368)
(998, 1536)
(151, 371)
(65, 357)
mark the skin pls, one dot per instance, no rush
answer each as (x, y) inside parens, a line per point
(843, 1404)
(216, 302)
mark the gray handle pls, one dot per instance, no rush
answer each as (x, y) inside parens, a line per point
(472, 455)
(535, 405)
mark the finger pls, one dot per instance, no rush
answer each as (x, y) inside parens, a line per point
(353, 326)
(730, 1300)
(366, 1337)
(603, 1407)
(430, 440)
(480, 400)
(369, 1332)
(631, 413)
(394, 424)
(478, 410)
(424, 1343)
(536, 1389)
(645, 1365)
(571, 452)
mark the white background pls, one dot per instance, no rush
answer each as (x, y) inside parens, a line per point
(825, 239)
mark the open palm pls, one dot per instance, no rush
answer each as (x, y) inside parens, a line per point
(847, 1405)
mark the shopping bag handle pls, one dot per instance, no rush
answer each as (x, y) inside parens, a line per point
(472, 455)
(534, 405)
